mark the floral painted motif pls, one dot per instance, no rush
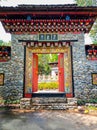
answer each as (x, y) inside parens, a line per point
(28, 72)
(68, 71)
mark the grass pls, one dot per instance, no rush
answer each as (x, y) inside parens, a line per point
(92, 107)
(9, 101)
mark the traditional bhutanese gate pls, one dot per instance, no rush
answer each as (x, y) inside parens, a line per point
(46, 29)
(64, 67)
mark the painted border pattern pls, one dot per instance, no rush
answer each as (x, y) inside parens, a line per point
(28, 71)
(68, 71)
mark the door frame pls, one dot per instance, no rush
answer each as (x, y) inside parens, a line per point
(29, 95)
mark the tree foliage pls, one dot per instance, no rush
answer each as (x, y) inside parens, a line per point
(43, 65)
(93, 32)
(84, 2)
(3, 43)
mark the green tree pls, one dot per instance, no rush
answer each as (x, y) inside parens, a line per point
(84, 2)
(93, 32)
(53, 57)
(43, 66)
(44, 59)
(2, 43)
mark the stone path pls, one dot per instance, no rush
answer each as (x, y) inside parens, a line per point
(47, 120)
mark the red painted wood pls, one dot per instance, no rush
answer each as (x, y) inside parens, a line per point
(49, 13)
(69, 95)
(61, 72)
(51, 21)
(28, 95)
(35, 73)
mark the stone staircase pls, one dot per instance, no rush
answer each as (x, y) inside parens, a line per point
(48, 103)
(51, 103)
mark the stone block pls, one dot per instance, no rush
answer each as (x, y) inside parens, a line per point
(72, 101)
(25, 103)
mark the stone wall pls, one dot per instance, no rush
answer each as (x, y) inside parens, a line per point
(13, 71)
(82, 69)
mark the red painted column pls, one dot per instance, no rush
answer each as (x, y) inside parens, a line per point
(61, 72)
(35, 73)
(69, 95)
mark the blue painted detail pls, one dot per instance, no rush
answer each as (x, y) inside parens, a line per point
(67, 89)
(28, 17)
(67, 17)
(48, 37)
(29, 90)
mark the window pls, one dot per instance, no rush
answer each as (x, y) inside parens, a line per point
(1, 79)
(5, 53)
(91, 52)
(94, 78)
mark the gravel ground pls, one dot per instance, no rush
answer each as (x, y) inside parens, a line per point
(47, 120)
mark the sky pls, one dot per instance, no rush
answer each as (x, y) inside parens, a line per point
(7, 37)
(16, 2)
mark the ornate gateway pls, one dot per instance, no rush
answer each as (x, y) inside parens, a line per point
(44, 29)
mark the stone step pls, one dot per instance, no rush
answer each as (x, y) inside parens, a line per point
(52, 107)
(51, 103)
(49, 100)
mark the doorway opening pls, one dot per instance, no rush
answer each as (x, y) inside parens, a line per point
(48, 73)
(42, 78)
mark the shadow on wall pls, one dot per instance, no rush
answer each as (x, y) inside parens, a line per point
(9, 95)
(88, 92)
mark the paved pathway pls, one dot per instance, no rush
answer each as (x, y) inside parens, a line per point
(47, 120)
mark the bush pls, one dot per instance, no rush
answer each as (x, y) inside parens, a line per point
(84, 101)
(49, 85)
